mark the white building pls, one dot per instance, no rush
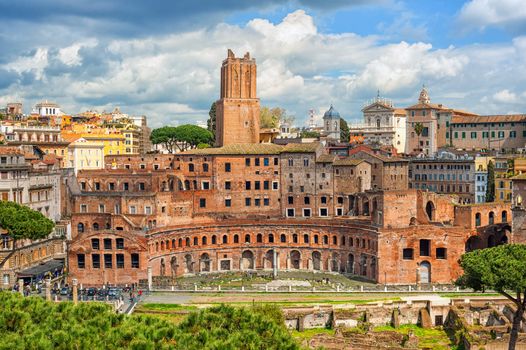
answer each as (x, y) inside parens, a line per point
(85, 154)
(46, 108)
(383, 124)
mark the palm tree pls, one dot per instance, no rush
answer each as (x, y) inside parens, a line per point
(419, 128)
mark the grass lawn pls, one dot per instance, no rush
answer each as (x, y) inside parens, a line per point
(432, 338)
(309, 333)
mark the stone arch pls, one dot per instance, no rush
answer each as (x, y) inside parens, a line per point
(425, 272)
(373, 268)
(350, 263)
(335, 262)
(247, 260)
(430, 210)
(204, 240)
(316, 260)
(225, 239)
(259, 238)
(204, 263)
(162, 268)
(236, 238)
(477, 219)
(180, 242)
(283, 238)
(504, 216)
(187, 242)
(247, 238)
(162, 245)
(173, 266)
(491, 218)
(173, 243)
(306, 238)
(295, 259)
(271, 238)
(491, 241)
(188, 264)
(269, 259)
(294, 238)
(95, 226)
(214, 239)
(473, 243)
(363, 265)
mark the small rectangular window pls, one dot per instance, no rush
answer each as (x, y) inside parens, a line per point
(441, 253)
(107, 243)
(247, 161)
(120, 261)
(108, 261)
(290, 213)
(81, 261)
(306, 212)
(256, 162)
(266, 185)
(324, 212)
(228, 202)
(290, 199)
(425, 247)
(135, 261)
(95, 244)
(247, 185)
(266, 202)
(228, 167)
(257, 202)
(95, 261)
(202, 202)
(275, 185)
(119, 242)
(248, 202)
(228, 185)
(266, 162)
(408, 254)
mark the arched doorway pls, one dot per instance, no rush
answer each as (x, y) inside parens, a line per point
(473, 243)
(335, 262)
(173, 265)
(316, 260)
(365, 210)
(491, 241)
(350, 263)
(269, 259)
(295, 258)
(247, 260)
(363, 265)
(163, 267)
(425, 272)
(430, 211)
(373, 268)
(205, 262)
(188, 264)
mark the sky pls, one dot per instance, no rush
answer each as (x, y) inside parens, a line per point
(162, 58)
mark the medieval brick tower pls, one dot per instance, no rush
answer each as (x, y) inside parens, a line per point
(237, 111)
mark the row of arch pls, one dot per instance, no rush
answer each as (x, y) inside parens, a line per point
(491, 218)
(294, 259)
(271, 238)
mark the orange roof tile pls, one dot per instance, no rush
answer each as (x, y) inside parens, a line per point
(457, 119)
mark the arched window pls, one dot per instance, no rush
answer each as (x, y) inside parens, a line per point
(225, 239)
(187, 241)
(95, 226)
(247, 238)
(259, 238)
(295, 238)
(283, 238)
(491, 218)
(305, 238)
(271, 238)
(162, 245)
(196, 241)
(351, 241)
(316, 239)
(325, 239)
(236, 239)
(173, 243)
(334, 240)
(504, 216)
(214, 239)
(80, 227)
(180, 242)
(477, 219)
(204, 240)
(343, 240)
(378, 123)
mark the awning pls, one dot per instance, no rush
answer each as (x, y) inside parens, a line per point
(42, 269)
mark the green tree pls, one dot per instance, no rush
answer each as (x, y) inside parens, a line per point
(307, 134)
(272, 117)
(22, 222)
(345, 133)
(181, 137)
(211, 122)
(490, 188)
(419, 128)
(502, 269)
(166, 136)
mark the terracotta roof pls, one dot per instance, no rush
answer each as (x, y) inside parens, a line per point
(429, 106)
(347, 162)
(238, 149)
(301, 147)
(70, 138)
(465, 113)
(326, 158)
(6, 150)
(400, 111)
(381, 157)
(488, 119)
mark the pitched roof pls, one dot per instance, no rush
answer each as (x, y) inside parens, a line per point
(237, 149)
(400, 111)
(301, 147)
(7, 150)
(457, 119)
(429, 106)
(381, 157)
(326, 158)
(347, 162)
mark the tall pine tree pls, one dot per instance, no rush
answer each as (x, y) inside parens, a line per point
(490, 188)
(211, 122)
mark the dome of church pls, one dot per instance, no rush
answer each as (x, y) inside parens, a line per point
(331, 114)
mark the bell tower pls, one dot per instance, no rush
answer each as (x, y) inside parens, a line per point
(237, 110)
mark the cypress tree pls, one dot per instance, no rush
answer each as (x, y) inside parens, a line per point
(490, 188)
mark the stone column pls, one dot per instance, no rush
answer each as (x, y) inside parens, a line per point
(21, 286)
(150, 278)
(288, 262)
(75, 282)
(310, 265)
(274, 263)
(48, 289)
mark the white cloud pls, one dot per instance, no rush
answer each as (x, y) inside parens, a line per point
(483, 13)
(36, 63)
(505, 96)
(175, 78)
